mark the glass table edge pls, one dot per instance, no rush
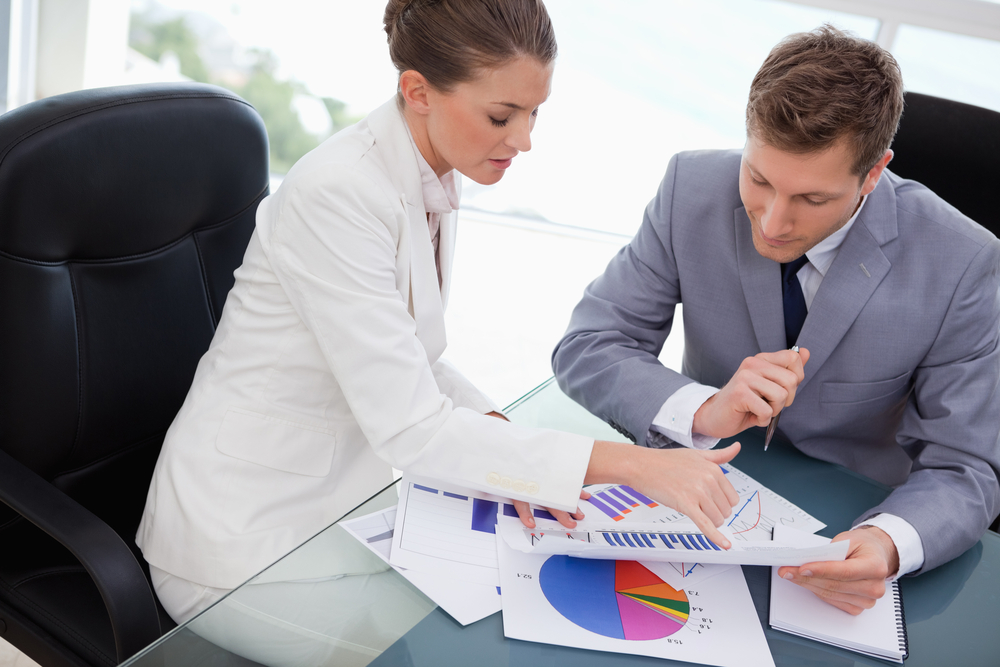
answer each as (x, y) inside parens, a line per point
(176, 630)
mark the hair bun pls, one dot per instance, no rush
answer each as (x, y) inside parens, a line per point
(393, 14)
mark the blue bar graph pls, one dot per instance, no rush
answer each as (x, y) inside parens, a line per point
(622, 497)
(638, 496)
(604, 508)
(606, 497)
(484, 516)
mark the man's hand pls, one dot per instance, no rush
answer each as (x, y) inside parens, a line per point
(760, 388)
(857, 583)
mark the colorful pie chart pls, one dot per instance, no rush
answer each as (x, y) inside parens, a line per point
(617, 599)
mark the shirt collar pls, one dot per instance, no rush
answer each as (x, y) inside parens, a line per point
(440, 194)
(822, 254)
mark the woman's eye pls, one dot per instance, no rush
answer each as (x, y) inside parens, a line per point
(497, 122)
(535, 112)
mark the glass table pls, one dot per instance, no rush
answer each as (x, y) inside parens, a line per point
(370, 615)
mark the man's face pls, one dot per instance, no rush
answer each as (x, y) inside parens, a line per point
(795, 201)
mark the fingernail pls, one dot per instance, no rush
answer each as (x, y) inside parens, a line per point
(806, 573)
(788, 576)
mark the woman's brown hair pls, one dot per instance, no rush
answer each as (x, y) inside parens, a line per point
(451, 41)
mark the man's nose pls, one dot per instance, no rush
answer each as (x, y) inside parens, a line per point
(777, 219)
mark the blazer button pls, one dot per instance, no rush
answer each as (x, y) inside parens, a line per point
(532, 488)
(519, 486)
(493, 479)
(505, 482)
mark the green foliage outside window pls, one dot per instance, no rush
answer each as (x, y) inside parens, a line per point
(271, 96)
(155, 39)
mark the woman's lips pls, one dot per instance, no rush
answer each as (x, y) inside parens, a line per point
(501, 164)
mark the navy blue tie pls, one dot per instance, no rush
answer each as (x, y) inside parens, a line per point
(794, 301)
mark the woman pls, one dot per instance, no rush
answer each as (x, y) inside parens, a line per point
(325, 369)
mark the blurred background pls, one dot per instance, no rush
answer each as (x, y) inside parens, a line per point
(635, 82)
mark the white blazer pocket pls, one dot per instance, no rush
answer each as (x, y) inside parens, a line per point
(275, 443)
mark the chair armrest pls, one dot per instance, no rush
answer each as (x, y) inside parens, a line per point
(108, 560)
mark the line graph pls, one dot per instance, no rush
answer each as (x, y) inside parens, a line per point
(756, 494)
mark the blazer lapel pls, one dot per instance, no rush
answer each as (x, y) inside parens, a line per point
(446, 246)
(428, 309)
(853, 277)
(393, 141)
(761, 278)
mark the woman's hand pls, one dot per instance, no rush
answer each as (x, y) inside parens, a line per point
(524, 509)
(565, 518)
(688, 480)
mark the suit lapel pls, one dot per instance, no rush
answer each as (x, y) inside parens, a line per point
(761, 279)
(853, 277)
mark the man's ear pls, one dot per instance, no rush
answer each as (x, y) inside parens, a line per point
(875, 173)
(415, 88)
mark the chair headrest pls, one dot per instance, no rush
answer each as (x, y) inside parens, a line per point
(78, 170)
(954, 149)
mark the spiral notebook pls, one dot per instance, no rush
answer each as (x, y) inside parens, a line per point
(879, 632)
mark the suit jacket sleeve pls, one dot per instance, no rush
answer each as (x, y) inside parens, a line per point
(950, 424)
(333, 250)
(607, 360)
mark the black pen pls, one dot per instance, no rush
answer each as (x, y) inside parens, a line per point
(774, 420)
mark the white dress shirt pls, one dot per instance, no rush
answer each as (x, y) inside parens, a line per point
(675, 419)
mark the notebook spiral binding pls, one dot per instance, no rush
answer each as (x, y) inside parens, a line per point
(897, 601)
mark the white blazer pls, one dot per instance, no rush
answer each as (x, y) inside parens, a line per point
(325, 370)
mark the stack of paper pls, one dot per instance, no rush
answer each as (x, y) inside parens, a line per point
(663, 597)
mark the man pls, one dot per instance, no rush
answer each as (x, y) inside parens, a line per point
(805, 238)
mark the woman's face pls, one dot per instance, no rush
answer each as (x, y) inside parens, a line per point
(481, 125)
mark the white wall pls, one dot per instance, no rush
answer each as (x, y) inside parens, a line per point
(18, 32)
(81, 44)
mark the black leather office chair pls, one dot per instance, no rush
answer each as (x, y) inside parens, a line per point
(123, 214)
(954, 149)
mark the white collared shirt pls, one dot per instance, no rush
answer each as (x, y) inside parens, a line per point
(676, 418)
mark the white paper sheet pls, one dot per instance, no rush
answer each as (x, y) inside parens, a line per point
(447, 531)
(627, 607)
(757, 512)
(465, 602)
(655, 542)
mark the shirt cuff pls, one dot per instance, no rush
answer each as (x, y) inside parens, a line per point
(905, 537)
(676, 417)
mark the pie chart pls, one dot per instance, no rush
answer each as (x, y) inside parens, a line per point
(618, 599)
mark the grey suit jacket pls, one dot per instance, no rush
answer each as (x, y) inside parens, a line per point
(902, 384)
